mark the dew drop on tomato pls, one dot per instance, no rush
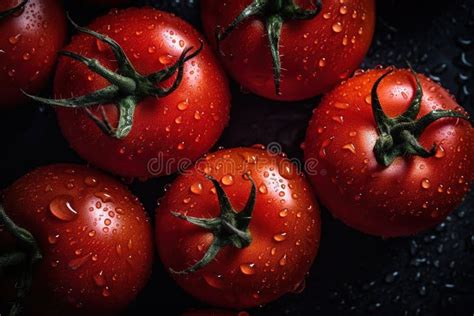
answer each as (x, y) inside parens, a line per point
(104, 197)
(425, 183)
(53, 239)
(79, 262)
(247, 268)
(99, 279)
(214, 281)
(61, 208)
(337, 27)
(196, 188)
(280, 237)
(284, 212)
(227, 180)
(90, 181)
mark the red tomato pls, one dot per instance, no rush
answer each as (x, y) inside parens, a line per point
(315, 53)
(29, 42)
(93, 234)
(167, 131)
(389, 192)
(278, 231)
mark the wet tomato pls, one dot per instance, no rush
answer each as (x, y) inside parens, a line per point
(289, 50)
(30, 38)
(166, 104)
(394, 152)
(240, 229)
(92, 240)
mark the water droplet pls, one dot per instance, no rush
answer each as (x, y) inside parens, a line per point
(183, 105)
(104, 197)
(214, 281)
(79, 262)
(440, 152)
(280, 237)
(368, 99)
(284, 212)
(425, 183)
(247, 268)
(118, 249)
(196, 188)
(178, 120)
(343, 9)
(227, 180)
(337, 27)
(263, 189)
(152, 49)
(61, 208)
(341, 105)
(92, 233)
(90, 181)
(14, 39)
(324, 145)
(322, 62)
(283, 260)
(106, 292)
(338, 118)
(350, 147)
(26, 56)
(287, 170)
(101, 46)
(53, 239)
(99, 279)
(166, 59)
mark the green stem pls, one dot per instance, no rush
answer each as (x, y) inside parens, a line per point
(230, 228)
(27, 258)
(398, 136)
(274, 13)
(127, 87)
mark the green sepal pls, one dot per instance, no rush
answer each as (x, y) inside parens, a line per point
(398, 136)
(231, 228)
(274, 13)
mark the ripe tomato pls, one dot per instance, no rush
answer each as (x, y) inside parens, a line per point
(30, 39)
(93, 234)
(316, 49)
(158, 130)
(390, 183)
(253, 264)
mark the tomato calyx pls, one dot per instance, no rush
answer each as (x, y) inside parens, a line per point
(398, 136)
(9, 12)
(230, 228)
(27, 257)
(274, 13)
(127, 89)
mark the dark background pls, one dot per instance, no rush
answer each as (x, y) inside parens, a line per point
(428, 274)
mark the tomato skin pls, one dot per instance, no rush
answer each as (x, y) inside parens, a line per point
(181, 126)
(93, 263)
(412, 194)
(314, 57)
(285, 228)
(29, 43)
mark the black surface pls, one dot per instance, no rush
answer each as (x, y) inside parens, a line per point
(428, 274)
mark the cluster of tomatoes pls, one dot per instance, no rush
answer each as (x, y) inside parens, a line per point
(139, 92)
